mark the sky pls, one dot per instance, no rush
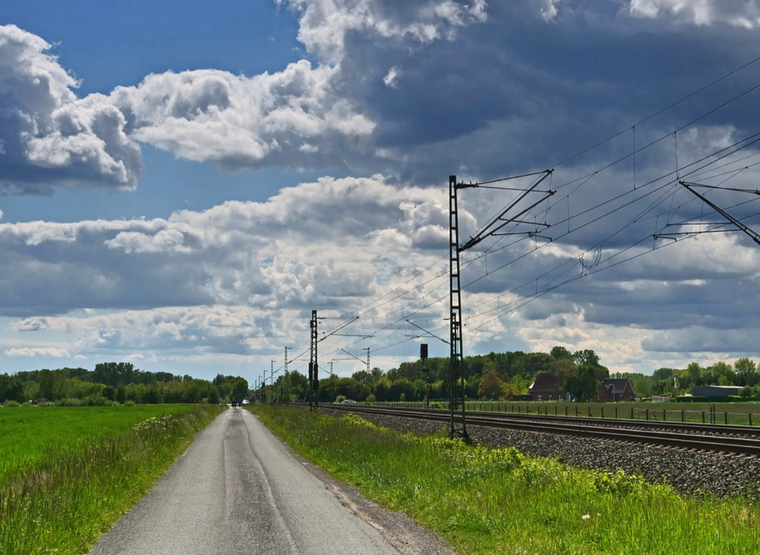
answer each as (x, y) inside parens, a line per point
(183, 183)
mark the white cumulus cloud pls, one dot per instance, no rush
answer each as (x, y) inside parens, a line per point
(48, 135)
(326, 24)
(738, 13)
(37, 352)
(241, 122)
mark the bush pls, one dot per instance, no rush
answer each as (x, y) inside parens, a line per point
(11, 403)
(95, 400)
(69, 402)
(340, 398)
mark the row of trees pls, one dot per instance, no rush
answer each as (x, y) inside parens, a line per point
(491, 376)
(508, 375)
(675, 382)
(118, 382)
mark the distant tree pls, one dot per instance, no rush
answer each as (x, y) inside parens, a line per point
(11, 388)
(720, 373)
(580, 382)
(746, 371)
(586, 357)
(109, 393)
(239, 389)
(383, 389)
(561, 353)
(401, 387)
(694, 375)
(491, 386)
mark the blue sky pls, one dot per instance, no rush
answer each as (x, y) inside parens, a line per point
(181, 184)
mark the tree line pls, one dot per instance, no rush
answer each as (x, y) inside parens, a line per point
(675, 382)
(492, 376)
(117, 382)
(508, 375)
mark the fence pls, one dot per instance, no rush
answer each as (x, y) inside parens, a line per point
(706, 415)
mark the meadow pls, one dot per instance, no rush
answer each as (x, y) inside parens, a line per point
(68, 473)
(28, 434)
(487, 501)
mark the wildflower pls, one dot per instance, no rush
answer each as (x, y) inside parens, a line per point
(586, 517)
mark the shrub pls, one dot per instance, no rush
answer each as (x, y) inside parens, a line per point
(11, 403)
(69, 402)
(94, 400)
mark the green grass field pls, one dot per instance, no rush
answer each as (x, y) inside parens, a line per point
(28, 434)
(68, 473)
(486, 501)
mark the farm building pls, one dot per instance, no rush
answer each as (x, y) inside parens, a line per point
(715, 390)
(546, 388)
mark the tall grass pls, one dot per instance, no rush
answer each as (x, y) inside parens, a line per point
(67, 498)
(499, 501)
(28, 434)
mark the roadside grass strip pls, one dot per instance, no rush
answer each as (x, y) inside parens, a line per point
(486, 501)
(66, 497)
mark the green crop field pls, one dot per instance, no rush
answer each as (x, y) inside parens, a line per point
(68, 473)
(29, 434)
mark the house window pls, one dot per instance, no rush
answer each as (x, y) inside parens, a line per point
(540, 398)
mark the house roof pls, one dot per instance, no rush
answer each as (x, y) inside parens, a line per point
(545, 382)
(616, 385)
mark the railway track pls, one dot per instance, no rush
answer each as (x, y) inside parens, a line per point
(717, 438)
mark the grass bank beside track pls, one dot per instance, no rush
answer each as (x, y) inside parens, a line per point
(499, 501)
(84, 469)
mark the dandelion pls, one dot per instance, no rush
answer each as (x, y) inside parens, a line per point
(586, 517)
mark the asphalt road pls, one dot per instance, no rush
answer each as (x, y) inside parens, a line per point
(238, 489)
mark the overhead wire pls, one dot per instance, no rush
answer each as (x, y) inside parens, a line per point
(403, 289)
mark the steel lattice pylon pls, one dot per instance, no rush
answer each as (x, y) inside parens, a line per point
(456, 379)
(313, 393)
(494, 227)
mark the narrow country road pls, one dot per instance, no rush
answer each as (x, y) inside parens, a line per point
(239, 490)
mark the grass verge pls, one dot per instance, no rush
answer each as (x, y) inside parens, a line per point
(69, 497)
(486, 501)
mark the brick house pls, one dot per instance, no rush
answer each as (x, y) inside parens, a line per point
(618, 390)
(545, 388)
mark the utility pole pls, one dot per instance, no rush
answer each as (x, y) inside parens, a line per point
(455, 310)
(286, 378)
(271, 375)
(494, 227)
(313, 393)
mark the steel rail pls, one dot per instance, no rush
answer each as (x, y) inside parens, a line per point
(582, 427)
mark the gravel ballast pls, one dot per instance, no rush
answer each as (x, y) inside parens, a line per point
(688, 471)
